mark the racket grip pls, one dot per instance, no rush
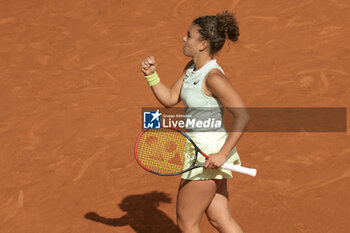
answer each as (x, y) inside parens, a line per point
(240, 169)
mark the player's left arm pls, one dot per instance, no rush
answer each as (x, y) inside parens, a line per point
(218, 86)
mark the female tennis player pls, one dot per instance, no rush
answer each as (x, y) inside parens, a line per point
(204, 84)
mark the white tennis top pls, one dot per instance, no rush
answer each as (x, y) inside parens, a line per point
(198, 105)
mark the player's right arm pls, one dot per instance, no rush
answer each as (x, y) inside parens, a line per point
(168, 97)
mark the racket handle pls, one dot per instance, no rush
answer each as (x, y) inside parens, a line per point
(240, 169)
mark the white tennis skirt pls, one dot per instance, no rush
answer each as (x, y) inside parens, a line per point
(208, 142)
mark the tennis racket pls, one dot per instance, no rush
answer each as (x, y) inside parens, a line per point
(164, 152)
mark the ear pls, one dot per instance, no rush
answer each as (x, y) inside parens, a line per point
(204, 45)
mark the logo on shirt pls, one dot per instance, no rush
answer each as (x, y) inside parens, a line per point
(196, 82)
(151, 120)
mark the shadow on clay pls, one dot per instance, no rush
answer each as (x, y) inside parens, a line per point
(142, 214)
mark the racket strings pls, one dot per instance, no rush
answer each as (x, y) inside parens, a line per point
(162, 151)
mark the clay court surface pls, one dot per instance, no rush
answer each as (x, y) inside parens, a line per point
(71, 94)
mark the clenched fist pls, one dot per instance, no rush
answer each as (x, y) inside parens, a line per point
(148, 66)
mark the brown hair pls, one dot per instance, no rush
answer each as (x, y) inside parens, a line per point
(217, 28)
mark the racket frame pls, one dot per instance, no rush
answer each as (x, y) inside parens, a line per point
(193, 166)
(248, 171)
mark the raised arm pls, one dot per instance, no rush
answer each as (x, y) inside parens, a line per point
(165, 95)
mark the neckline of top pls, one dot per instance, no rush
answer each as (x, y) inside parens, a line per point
(209, 62)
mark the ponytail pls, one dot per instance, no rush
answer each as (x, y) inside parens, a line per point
(217, 28)
(227, 25)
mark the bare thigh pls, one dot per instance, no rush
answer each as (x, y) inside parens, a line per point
(218, 211)
(193, 200)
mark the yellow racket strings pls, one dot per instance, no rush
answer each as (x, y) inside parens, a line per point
(162, 150)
